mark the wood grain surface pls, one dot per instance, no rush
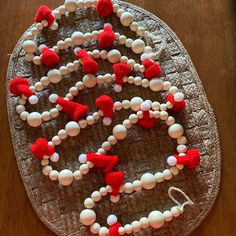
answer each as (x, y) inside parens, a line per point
(208, 31)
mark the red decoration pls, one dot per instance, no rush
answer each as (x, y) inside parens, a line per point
(104, 7)
(121, 69)
(105, 103)
(44, 13)
(20, 86)
(107, 37)
(177, 106)
(106, 163)
(190, 160)
(115, 179)
(151, 69)
(113, 230)
(89, 65)
(146, 121)
(49, 57)
(41, 148)
(75, 110)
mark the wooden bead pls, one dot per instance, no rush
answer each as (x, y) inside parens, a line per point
(137, 185)
(175, 131)
(65, 177)
(135, 103)
(136, 226)
(138, 46)
(144, 221)
(89, 203)
(114, 56)
(53, 175)
(72, 128)
(29, 46)
(89, 80)
(54, 76)
(126, 18)
(168, 216)
(156, 219)
(71, 5)
(148, 181)
(94, 228)
(87, 217)
(34, 119)
(120, 132)
(77, 38)
(155, 84)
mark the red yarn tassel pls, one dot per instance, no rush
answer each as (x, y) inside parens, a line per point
(104, 7)
(121, 70)
(114, 229)
(49, 57)
(75, 110)
(146, 121)
(89, 65)
(190, 160)
(177, 106)
(106, 163)
(115, 179)
(41, 148)
(105, 103)
(151, 69)
(107, 37)
(44, 13)
(20, 86)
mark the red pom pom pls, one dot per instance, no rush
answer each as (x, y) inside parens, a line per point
(106, 163)
(115, 179)
(106, 104)
(113, 230)
(89, 65)
(41, 148)
(20, 86)
(49, 57)
(146, 121)
(151, 69)
(177, 106)
(106, 38)
(44, 13)
(190, 160)
(121, 70)
(75, 110)
(104, 7)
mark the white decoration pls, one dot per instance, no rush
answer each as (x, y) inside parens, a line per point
(135, 103)
(175, 131)
(87, 217)
(120, 132)
(54, 76)
(72, 128)
(29, 46)
(148, 181)
(156, 219)
(155, 84)
(171, 160)
(34, 119)
(77, 38)
(138, 46)
(126, 19)
(65, 177)
(71, 5)
(111, 220)
(89, 80)
(113, 56)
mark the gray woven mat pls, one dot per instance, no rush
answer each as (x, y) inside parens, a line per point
(143, 151)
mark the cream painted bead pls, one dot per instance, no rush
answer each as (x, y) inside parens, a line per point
(121, 230)
(137, 185)
(133, 26)
(114, 56)
(107, 78)
(87, 217)
(88, 37)
(181, 148)
(29, 36)
(54, 175)
(145, 83)
(89, 203)
(37, 60)
(163, 115)
(117, 88)
(89, 80)
(155, 84)
(127, 124)
(171, 160)
(124, 59)
(147, 49)
(133, 118)
(106, 146)
(103, 231)
(103, 191)
(70, 67)
(181, 140)
(55, 157)
(144, 221)
(140, 31)
(46, 116)
(65, 177)
(131, 62)
(173, 89)
(156, 219)
(96, 53)
(126, 104)
(77, 38)
(77, 175)
(84, 169)
(135, 103)
(166, 85)
(128, 229)
(137, 80)
(129, 43)
(94, 228)
(170, 120)
(24, 115)
(90, 120)
(136, 226)
(138, 46)
(34, 119)
(83, 124)
(20, 109)
(119, 12)
(111, 220)
(174, 170)
(148, 181)
(54, 113)
(72, 128)
(140, 114)
(46, 170)
(73, 91)
(126, 18)
(29, 46)
(103, 54)
(155, 106)
(128, 188)
(159, 177)
(167, 174)
(38, 86)
(175, 131)
(63, 70)
(68, 42)
(96, 115)
(54, 76)
(79, 85)
(168, 216)
(130, 79)
(120, 132)
(71, 5)
(44, 162)
(61, 44)
(122, 39)
(56, 140)
(175, 211)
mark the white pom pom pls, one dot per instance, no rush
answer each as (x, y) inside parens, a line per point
(41, 47)
(115, 199)
(53, 97)
(144, 56)
(178, 97)
(171, 160)
(145, 106)
(82, 158)
(107, 121)
(55, 157)
(111, 220)
(54, 26)
(117, 88)
(76, 50)
(33, 99)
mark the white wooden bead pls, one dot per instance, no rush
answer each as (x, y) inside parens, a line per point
(181, 148)
(29, 36)
(133, 118)
(103, 191)
(56, 140)
(54, 76)
(122, 39)
(29, 46)
(140, 31)
(145, 83)
(71, 5)
(84, 169)
(77, 175)
(70, 67)
(147, 49)
(46, 170)
(144, 221)
(118, 105)
(136, 226)
(138, 46)
(121, 230)
(163, 115)
(37, 60)
(155, 84)
(135, 103)
(129, 43)
(173, 89)
(88, 36)
(167, 174)
(24, 115)
(55, 157)
(181, 140)
(83, 124)
(175, 131)
(156, 219)
(127, 124)
(46, 116)
(124, 59)
(130, 79)
(34, 119)
(61, 44)
(170, 120)
(171, 160)
(87, 217)
(114, 56)
(54, 113)
(106, 146)
(94, 228)
(117, 88)
(44, 162)
(111, 220)
(79, 85)
(159, 177)
(103, 231)
(119, 12)
(131, 62)
(20, 109)
(107, 78)
(168, 216)
(65, 177)
(148, 181)
(175, 211)
(89, 203)
(90, 120)
(77, 38)
(137, 185)
(126, 104)
(126, 18)
(89, 80)
(120, 132)
(103, 54)
(72, 128)
(63, 70)
(53, 175)
(133, 26)
(128, 188)
(137, 80)
(166, 85)
(96, 53)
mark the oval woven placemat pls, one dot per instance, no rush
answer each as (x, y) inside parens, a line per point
(143, 151)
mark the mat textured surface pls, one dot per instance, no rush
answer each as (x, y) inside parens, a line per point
(143, 150)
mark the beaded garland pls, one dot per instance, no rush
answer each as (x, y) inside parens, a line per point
(145, 113)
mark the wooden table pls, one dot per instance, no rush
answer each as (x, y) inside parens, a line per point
(208, 31)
